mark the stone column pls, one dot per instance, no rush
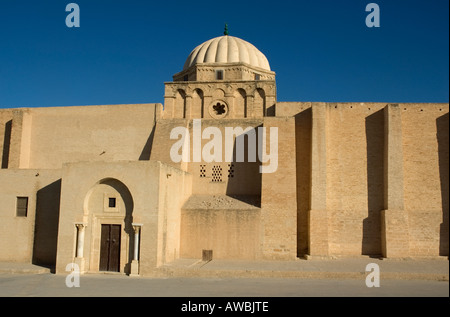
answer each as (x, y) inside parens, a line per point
(188, 107)
(136, 243)
(135, 262)
(394, 220)
(250, 106)
(79, 259)
(317, 216)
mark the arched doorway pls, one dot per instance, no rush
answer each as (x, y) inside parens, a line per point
(109, 207)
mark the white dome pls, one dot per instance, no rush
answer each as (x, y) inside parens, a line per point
(227, 49)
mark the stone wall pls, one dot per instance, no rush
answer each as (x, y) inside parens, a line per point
(355, 142)
(32, 238)
(372, 178)
(425, 163)
(49, 137)
(352, 179)
(144, 188)
(5, 136)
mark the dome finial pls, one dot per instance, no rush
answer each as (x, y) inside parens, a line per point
(226, 29)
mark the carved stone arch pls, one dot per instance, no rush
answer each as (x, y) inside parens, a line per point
(240, 103)
(259, 104)
(244, 89)
(107, 186)
(198, 103)
(181, 92)
(109, 202)
(198, 91)
(180, 104)
(219, 93)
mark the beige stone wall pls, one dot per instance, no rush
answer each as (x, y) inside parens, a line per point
(161, 140)
(352, 179)
(149, 206)
(16, 137)
(229, 227)
(31, 238)
(352, 221)
(250, 215)
(425, 163)
(301, 111)
(303, 125)
(175, 187)
(6, 117)
(355, 141)
(236, 178)
(49, 137)
(291, 109)
(230, 178)
(231, 71)
(243, 99)
(279, 195)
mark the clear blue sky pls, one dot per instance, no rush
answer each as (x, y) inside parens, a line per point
(124, 51)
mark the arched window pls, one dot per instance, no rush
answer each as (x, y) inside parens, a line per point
(260, 103)
(197, 104)
(240, 103)
(180, 104)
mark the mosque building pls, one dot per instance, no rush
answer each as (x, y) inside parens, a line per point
(222, 170)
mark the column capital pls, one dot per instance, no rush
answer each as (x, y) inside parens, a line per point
(80, 225)
(80, 238)
(137, 226)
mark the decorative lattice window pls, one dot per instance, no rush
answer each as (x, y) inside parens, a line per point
(216, 173)
(230, 170)
(202, 171)
(218, 109)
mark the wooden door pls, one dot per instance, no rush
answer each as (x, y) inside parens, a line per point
(110, 248)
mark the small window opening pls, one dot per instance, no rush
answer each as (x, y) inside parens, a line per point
(219, 74)
(257, 77)
(22, 207)
(112, 202)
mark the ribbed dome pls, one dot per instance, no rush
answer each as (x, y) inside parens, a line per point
(227, 49)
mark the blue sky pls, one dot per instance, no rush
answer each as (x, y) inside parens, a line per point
(124, 51)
